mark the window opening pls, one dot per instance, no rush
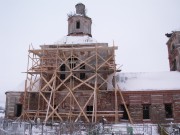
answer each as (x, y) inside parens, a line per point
(62, 76)
(72, 62)
(125, 115)
(82, 75)
(89, 109)
(72, 65)
(146, 112)
(55, 107)
(168, 111)
(63, 67)
(78, 25)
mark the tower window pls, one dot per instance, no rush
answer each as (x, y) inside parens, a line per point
(146, 112)
(78, 25)
(168, 110)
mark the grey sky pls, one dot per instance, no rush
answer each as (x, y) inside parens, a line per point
(136, 26)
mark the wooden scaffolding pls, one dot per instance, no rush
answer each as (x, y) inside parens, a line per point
(69, 83)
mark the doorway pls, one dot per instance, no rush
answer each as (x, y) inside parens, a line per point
(18, 110)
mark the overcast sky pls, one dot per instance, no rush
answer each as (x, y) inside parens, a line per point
(137, 27)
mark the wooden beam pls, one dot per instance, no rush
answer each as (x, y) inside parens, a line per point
(78, 104)
(58, 106)
(125, 105)
(84, 106)
(50, 105)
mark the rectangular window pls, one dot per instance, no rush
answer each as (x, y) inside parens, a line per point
(89, 109)
(62, 68)
(125, 115)
(78, 25)
(168, 111)
(146, 111)
(82, 75)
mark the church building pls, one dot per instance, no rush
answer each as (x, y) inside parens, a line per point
(76, 79)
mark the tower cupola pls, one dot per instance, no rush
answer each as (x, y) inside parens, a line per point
(80, 9)
(79, 24)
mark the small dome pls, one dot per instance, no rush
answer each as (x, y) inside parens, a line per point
(80, 9)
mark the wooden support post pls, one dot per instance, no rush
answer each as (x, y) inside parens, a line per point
(95, 101)
(84, 106)
(50, 106)
(116, 100)
(116, 107)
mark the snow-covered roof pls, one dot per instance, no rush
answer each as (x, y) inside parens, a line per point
(137, 81)
(147, 81)
(76, 40)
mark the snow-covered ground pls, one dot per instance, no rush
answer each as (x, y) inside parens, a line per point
(24, 128)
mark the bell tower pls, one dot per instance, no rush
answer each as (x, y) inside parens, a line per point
(79, 24)
(173, 45)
